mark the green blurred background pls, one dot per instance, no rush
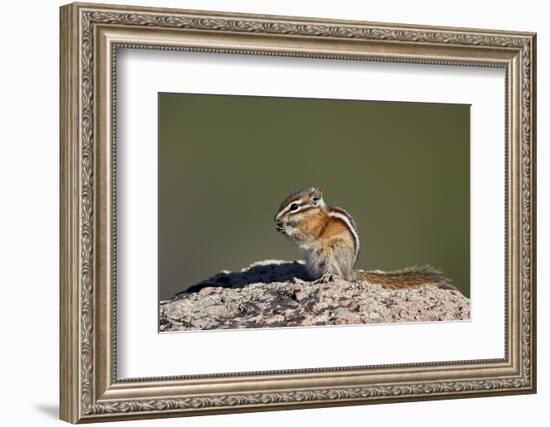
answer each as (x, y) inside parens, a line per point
(226, 162)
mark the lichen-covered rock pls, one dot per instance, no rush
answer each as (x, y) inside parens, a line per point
(277, 293)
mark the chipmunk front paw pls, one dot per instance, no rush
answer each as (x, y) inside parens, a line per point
(325, 278)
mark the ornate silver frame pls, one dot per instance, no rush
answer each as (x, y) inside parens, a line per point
(90, 36)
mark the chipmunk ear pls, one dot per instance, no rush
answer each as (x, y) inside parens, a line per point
(316, 197)
(318, 193)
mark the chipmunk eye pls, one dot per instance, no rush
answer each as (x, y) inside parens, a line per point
(294, 206)
(315, 201)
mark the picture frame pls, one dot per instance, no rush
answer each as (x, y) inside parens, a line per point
(91, 35)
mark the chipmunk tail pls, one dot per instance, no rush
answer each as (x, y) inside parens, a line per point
(410, 277)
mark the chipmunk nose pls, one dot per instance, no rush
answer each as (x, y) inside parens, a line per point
(279, 225)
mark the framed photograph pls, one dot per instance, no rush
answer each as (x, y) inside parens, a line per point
(266, 212)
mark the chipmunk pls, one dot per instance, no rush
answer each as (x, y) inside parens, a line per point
(329, 241)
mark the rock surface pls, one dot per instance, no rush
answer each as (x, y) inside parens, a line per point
(277, 293)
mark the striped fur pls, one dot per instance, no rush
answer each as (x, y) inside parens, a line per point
(302, 199)
(344, 216)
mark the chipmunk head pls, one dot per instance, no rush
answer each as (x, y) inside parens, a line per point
(297, 210)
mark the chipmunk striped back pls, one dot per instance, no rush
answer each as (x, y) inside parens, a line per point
(343, 215)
